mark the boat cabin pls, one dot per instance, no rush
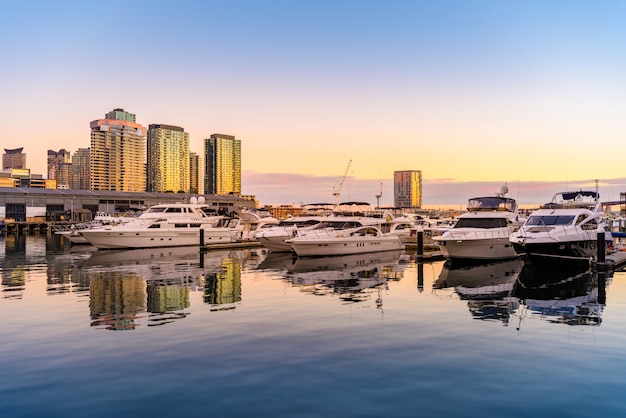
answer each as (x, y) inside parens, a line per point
(492, 203)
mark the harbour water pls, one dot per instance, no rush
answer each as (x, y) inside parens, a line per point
(173, 332)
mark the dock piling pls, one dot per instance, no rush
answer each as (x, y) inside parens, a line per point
(420, 243)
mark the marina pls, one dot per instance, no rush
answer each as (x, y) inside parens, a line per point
(165, 331)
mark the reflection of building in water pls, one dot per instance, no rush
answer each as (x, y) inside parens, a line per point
(64, 273)
(165, 297)
(13, 282)
(224, 287)
(115, 299)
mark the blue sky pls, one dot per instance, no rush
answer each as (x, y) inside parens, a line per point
(473, 93)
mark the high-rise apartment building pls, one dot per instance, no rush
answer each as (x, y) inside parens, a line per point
(13, 158)
(222, 170)
(168, 159)
(194, 173)
(60, 168)
(118, 153)
(407, 189)
(81, 163)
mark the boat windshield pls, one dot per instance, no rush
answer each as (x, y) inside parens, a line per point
(337, 225)
(292, 222)
(481, 223)
(550, 220)
(158, 209)
(492, 203)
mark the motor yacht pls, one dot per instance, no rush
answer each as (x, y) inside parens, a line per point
(482, 233)
(73, 233)
(167, 225)
(274, 237)
(342, 235)
(254, 221)
(566, 229)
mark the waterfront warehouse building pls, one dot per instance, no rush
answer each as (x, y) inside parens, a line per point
(118, 153)
(223, 165)
(168, 159)
(39, 205)
(407, 189)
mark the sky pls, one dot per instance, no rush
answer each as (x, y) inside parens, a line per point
(474, 93)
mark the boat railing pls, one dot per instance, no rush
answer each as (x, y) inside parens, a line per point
(487, 233)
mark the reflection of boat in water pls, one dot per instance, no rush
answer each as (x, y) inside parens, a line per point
(158, 263)
(488, 288)
(352, 277)
(491, 278)
(277, 261)
(569, 296)
(115, 258)
(343, 265)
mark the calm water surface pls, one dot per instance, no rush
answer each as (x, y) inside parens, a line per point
(247, 333)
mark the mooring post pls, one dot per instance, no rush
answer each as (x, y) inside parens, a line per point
(601, 248)
(420, 277)
(201, 237)
(420, 243)
(602, 287)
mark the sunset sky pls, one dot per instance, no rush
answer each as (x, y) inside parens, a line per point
(472, 93)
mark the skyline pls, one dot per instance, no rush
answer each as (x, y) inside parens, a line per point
(473, 94)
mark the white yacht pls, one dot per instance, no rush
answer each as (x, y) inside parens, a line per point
(482, 233)
(100, 220)
(563, 230)
(254, 221)
(401, 226)
(342, 235)
(166, 225)
(274, 237)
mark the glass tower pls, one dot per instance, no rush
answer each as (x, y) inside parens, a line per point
(222, 171)
(168, 159)
(407, 189)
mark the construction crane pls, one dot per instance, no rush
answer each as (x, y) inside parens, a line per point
(337, 188)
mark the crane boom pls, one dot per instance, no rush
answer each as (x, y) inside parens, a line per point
(337, 189)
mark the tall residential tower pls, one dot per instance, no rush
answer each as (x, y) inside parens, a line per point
(118, 153)
(13, 158)
(222, 170)
(407, 189)
(194, 173)
(168, 159)
(81, 163)
(60, 168)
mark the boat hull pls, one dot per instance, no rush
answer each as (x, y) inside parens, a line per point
(174, 237)
(569, 252)
(498, 248)
(344, 246)
(276, 243)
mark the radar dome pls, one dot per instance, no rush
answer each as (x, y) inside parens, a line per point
(193, 200)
